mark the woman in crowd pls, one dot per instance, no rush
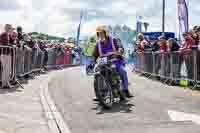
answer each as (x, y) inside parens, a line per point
(172, 45)
(140, 43)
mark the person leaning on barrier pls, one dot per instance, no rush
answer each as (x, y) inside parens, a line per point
(140, 43)
(185, 52)
(172, 45)
(187, 43)
(6, 57)
(20, 34)
(5, 37)
(159, 56)
(163, 44)
(43, 47)
(154, 44)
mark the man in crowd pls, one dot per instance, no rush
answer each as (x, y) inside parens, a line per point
(5, 37)
(20, 35)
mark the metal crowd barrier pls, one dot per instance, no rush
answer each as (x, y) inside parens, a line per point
(18, 62)
(58, 57)
(7, 65)
(173, 66)
(28, 61)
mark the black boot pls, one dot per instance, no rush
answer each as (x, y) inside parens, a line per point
(128, 94)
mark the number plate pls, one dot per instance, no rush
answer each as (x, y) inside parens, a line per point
(103, 61)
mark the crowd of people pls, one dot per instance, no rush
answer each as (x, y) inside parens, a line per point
(170, 53)
(25, 43)
(190, 39)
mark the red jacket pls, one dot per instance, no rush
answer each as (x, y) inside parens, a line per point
(4, 38)
(187, 44)
(163, 47)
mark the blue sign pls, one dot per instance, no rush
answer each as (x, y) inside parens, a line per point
(155, 35)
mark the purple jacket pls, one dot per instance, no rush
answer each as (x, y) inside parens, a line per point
(105, 48)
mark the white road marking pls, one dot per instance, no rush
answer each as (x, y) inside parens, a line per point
(181, 116)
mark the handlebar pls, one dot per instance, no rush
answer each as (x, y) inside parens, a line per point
(112, 54)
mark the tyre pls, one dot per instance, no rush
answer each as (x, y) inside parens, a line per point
(103, 91)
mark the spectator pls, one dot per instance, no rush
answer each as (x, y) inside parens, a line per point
(172, 48)
(154, 45)
(30, 43)
(188, 41)
(45, 60)
(13, 37)
(6, 57)
(147, 46)
(186, 51)
(20, 35)
(5, 37)
(163, 44)
(172, 45)
(160, 60)
(141, 42)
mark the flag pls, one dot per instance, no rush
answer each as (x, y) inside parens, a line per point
(182, 12)
(79, 29)
(139, 24)
(78, 34)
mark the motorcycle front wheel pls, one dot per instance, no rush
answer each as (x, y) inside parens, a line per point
(103, 91)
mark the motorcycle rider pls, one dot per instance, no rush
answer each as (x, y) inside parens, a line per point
(105, 47)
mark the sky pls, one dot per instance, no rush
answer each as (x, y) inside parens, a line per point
(61, 17)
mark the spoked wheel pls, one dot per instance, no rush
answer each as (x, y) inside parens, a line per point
(103, 91)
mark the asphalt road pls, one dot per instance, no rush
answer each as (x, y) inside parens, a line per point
(147, 112)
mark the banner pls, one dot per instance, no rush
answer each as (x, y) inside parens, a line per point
(182, 12)
(79, 28)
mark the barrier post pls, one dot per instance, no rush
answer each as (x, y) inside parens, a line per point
(195, 68)
(154, 64)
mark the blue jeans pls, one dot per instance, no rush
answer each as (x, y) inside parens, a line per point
(123, 74)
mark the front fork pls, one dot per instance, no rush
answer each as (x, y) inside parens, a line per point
(115, 82)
